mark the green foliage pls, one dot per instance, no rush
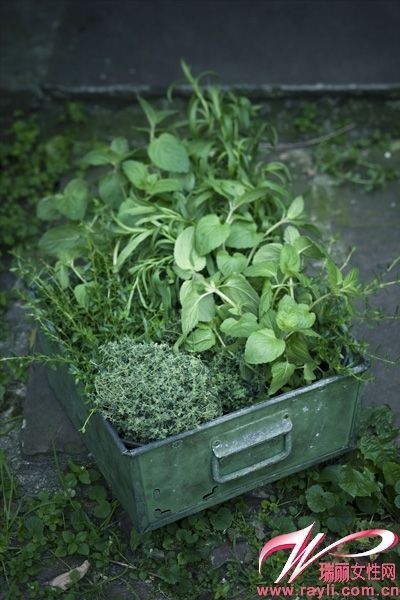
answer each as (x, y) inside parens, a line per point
(193, 223)
(148, 392)
(30, 168)
(51, 527)
(306, 120)
(357, 161)
(348, 158)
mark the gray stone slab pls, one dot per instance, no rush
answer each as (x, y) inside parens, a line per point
(253, 41)
(46, 426)
(104, 45)
(38, 472)
(27, 31)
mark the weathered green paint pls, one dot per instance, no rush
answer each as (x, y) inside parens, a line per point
(163, 481)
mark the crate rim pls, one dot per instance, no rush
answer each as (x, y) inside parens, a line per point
(321, 383)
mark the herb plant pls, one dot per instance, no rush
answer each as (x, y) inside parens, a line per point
(149, 392)
(196, 224)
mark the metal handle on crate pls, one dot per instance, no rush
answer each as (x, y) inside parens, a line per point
(250, 440)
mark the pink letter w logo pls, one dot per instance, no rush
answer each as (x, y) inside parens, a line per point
(298, 540)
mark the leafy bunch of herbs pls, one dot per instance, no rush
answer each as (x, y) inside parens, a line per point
(196, 238)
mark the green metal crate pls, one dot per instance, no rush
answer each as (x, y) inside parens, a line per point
(163, 481)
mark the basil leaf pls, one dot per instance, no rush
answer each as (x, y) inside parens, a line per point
(297, 349)
(291, 234)
(308, 247)
(239, 290)
(335, 277)
(163, 186)
(250, 196)
(267, 268)
(295, 209)
(308, 371)
(269, 252)
(196, 306)
(81, 295)
(266, 299)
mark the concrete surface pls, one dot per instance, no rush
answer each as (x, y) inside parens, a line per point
(99, 44)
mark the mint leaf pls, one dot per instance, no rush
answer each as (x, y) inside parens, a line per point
(136, 172)
(64, 242)
(263, 347)
(230, 264)
(289, 262)
(168, 153)
(210, 233)
(111, 190)
(185, 253)
(73, 202)
(281, 373)
(201, 339)
(292, 316)
(243, 235)
(241, 328)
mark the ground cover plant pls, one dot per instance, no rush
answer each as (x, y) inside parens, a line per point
(195, 239)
